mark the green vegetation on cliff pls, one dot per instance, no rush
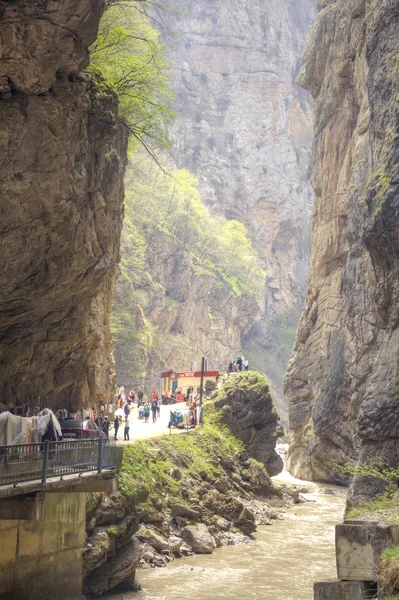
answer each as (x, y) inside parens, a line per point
(170, 237)
(171, 204)
(128, 58)
(147, 465)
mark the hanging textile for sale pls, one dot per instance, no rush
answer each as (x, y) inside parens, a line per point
(27, 430)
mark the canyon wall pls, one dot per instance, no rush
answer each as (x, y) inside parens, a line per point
(244, 129)
(343, 379)
(62, 160)
(174, 303)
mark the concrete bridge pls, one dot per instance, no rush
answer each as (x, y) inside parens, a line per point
(43, 491)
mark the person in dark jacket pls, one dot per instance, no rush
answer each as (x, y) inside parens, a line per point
(154, 410)
(116, 427)
(106, 426)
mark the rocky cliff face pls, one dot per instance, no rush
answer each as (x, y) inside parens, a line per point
(247, 409)
(170, 310)
(343, 383)
(244, 128)
(62, 159)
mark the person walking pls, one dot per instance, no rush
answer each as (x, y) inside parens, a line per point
(116, 427)
(239, 363)
(140, 395)
(246, 364)
(154, 408)
(230, 367)
(126, 436)
(146, 412)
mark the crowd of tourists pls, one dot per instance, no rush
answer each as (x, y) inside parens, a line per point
(238, 364)
(147, 409)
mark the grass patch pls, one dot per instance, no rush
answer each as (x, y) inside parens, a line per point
(147, 465)
(391, 553)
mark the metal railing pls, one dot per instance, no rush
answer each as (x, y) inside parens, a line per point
(32, 462)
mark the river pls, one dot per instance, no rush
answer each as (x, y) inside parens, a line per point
(281, 563)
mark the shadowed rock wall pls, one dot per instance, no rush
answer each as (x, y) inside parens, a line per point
(62, 159)
(342, 383)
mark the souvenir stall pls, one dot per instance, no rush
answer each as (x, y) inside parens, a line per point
(182, 419)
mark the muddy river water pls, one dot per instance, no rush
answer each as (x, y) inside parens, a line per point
(281, 563)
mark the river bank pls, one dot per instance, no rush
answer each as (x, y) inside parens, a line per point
(281, 561)
(190, 494)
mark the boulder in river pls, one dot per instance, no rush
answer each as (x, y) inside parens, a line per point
(199, 538)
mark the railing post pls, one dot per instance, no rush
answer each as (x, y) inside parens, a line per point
(45, 461)
(100, 455)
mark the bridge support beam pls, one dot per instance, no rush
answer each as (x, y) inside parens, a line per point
(42, 559)
(22, 508)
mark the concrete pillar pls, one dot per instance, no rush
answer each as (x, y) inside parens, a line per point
(359, 545)
(42, 559)
(343, 590)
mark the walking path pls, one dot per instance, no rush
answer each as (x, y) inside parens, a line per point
(140, 430)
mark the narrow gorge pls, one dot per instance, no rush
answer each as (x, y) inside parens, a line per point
(181, 180)
(243, 128)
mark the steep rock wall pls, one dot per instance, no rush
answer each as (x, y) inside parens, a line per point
(62, 159)
(170, 311)
(244, 128)
(342, 382)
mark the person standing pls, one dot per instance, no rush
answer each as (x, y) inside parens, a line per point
(140, 395)
(239, 363)
(105, 426)
(116, 427)
(154, 408)
(126, 436)
(146, 412)
(246, 364)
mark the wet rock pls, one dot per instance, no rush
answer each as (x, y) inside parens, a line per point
(119, 568)
(260, 480)
(327, 492)
(199, 538)
(175, 545)
(186, 549)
